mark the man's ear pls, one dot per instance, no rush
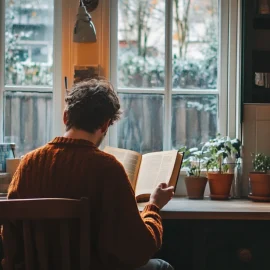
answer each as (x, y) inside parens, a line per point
(105, 126)
(65, 117)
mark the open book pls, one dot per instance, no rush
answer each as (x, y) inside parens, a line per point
(146, 171)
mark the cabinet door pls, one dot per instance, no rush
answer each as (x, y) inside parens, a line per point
(238, 245)
(216, 244)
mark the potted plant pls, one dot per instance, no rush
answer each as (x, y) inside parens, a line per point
(195, 182)
(222, 153)
(259, 178)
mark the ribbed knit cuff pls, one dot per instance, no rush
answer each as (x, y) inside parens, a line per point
(151, 207)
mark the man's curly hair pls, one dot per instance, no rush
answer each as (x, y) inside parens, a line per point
(90, 104)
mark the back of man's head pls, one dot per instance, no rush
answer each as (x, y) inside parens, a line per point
(90, 104)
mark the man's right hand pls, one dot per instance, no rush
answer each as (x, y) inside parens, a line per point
(161, 195)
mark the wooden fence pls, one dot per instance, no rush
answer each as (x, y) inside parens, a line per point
(27, 119)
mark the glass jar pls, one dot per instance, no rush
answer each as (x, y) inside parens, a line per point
(6, 151)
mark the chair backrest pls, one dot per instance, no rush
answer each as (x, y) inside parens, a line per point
(33, 213)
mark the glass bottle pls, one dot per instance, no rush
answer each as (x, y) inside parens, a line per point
(237, 181)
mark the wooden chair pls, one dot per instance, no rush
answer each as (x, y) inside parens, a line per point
(33, 213)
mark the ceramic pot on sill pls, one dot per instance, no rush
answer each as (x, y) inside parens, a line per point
(195, 187)
(220, 185)
(260, 184)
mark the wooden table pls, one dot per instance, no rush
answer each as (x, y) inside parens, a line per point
(183, 208)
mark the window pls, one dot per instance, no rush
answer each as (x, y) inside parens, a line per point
(172, 60)
(28, 68)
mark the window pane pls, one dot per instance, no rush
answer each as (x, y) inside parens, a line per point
(27, 120)
(141, 51)
(195, 44)
(141, 126)
(194, 119)
(29, 42)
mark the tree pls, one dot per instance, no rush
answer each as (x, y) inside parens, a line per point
(182, 25)
(17, 71)
(139, 66)
(11, 48)
(138, 17)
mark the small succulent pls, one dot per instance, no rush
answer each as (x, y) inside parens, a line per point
(261, 162)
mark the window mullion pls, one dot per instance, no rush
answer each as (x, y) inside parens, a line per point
(58, 78)
(2, 64)
(223, 67)
(113, 62)
(140, 91)
(30, 88)
(195, 92)
(232, 68)
(168, 77)
(238, 79)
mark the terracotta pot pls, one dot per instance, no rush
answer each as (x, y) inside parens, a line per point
(260, 184)
(220, 185)
(195, 186)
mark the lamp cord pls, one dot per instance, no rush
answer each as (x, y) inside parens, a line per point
(81, 3)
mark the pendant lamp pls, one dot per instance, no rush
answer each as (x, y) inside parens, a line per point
(84, 30)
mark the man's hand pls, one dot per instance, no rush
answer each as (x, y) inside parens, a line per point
(161, 195)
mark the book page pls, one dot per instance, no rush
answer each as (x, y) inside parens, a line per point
(130, 160)
(155, 168)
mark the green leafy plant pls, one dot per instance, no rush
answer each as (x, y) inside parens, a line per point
(219, 149)
(194, 161)
(260, 162)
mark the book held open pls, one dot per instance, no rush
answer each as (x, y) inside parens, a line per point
(146, 171)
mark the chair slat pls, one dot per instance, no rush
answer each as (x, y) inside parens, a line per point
(64, 236)
(41, 245)
(8, 245)
(28, 246)
(85, 236)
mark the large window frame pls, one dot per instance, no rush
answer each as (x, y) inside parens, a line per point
(228, 77)
(55, 89)
(228, 88)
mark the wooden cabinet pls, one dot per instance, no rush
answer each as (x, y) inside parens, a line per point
(237, 245)
(216, 244)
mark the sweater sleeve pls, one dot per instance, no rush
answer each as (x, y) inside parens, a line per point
(127, 238)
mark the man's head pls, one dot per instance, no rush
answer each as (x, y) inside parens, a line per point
(92, 106)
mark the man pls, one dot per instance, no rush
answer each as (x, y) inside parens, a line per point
(72, 166)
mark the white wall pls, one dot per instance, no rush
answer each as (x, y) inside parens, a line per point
(256, 136)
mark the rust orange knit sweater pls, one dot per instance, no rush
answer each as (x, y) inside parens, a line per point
(122, 238)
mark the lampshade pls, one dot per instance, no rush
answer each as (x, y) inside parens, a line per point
(84, 30)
